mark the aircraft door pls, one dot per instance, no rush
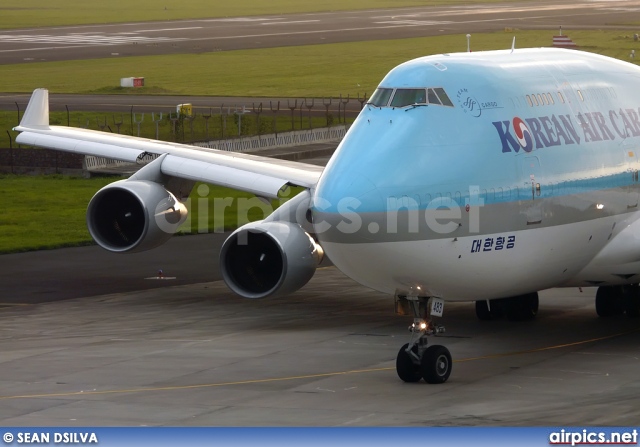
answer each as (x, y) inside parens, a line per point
(532, 189)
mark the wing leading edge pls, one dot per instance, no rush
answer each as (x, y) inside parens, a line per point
(259, 175)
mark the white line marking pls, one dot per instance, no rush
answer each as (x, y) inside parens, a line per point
(590, 373)
(80, 40)
(167, 29)
(415, 22)
(242, 19)
(287, 23)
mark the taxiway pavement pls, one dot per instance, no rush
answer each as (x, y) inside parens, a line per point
(194, 355)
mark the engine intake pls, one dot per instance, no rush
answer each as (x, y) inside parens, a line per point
(133, 216)
(263, 259)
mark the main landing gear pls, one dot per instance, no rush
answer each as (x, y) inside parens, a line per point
(616, 300)
(516, 308)
(415, 359)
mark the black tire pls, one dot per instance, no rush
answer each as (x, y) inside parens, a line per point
(436, 364)
(606, 301)
(522, 307)
(482, 311)
(631, 301)
(618, 293)
(406, 369)
(531, 307)
(497, 308)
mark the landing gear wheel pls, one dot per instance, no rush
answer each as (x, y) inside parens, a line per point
(606, 301)
(406, 369)
(436, 364)
(497, 308)
(631, 301)
(482, 311)
(532, 305)
(522, 307)
(432, 363)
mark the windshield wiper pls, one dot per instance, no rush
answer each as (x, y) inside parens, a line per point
(414, 105)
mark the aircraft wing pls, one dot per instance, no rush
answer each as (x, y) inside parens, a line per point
(259, 175)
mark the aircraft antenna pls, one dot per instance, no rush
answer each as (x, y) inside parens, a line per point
(513, 44)
(468, 43)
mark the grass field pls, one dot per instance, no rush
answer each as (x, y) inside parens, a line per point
(39, 220)
(36, 220)
(39, 13)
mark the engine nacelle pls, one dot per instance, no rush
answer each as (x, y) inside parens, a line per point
(134, 215)
(262, 259)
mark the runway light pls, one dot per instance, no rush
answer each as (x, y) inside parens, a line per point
(599, 206)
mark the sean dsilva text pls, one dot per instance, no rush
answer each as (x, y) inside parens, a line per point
(56, 438)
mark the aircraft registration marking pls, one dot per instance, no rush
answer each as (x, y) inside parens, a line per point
(506, 242)
(437, 307)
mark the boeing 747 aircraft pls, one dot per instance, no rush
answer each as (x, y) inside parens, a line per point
(479, 177)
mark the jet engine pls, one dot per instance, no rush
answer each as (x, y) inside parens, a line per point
(263, 258)
(134, 215)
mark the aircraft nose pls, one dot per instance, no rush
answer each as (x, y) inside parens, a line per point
(345, 207)
(354, 192)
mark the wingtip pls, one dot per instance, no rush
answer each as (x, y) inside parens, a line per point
(37, 113)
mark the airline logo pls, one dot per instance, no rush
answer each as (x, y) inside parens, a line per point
(557, 130)
(523, 134)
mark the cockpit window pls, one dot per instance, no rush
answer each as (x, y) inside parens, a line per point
(404, 97)
(380, 97)
(443, 97)
(433, 98)
(409, 96)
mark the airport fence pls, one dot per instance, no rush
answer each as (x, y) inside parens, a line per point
(245, 144)
(50, 161)
(239, 128)
(201, 124)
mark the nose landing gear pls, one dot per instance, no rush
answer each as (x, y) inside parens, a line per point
(415, 359)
